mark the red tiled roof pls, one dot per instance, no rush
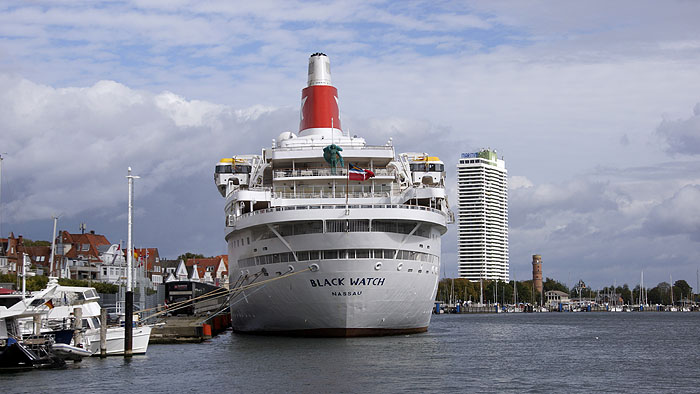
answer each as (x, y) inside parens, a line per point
(203, 263)
(77, 240)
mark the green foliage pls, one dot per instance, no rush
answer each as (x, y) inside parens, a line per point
(465, 290)
(34, 283)
(29, 242)
(104, 288)
(550, 284)
(190, 255)
(681, 288)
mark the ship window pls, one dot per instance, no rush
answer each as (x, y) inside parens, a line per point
(303, 256)
(283, 258)
(378, 253)
(362, 254)
(347, 254)
(313, 255)
(330, 254)
(389, 253)
(224, 169)
(242, 169)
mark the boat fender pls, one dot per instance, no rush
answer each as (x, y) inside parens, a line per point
(378, 266)
(313, 267)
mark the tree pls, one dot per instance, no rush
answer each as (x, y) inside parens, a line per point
(28, 242)
(551, 284)
(190, 255)
(625, 292)
(681, 288)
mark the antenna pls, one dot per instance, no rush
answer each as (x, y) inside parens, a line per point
(82, 228)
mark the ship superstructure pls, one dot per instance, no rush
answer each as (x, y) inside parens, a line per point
(351, 230)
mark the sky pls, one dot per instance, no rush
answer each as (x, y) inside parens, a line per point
(595, 107)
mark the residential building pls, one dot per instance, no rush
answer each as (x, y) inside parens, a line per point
(556, 297)
(81, 254)
(212, 270)
(12, 248)
(483, 216)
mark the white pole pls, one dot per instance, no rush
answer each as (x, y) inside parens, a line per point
(53, 245)
(24, 275)
(129, 246)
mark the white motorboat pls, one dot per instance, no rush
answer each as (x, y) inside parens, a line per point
(59, 303)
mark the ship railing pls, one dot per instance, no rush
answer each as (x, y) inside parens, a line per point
(231, 219)
(319, 193)
(363, 147)
(312, 172)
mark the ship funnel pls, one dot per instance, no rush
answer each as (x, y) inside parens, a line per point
(319, 113)
(319, 70)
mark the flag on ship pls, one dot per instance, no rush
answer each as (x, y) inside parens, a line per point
(356, 173)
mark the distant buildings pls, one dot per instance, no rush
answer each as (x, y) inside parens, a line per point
(483, 216)
(212, 270)
(90, 256)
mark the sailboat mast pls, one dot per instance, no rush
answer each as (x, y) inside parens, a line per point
(53, 246)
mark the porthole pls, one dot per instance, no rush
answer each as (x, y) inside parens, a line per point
(399, 267)
(313, 267)
(290, 268)
(378, 266)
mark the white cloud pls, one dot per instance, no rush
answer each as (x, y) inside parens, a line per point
(679, 214)
(682, 135)
(68, 148)
(518, 182)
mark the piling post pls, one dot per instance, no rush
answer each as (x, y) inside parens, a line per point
(37, 324)
(129, 324)
(103, 333)
(77, 326)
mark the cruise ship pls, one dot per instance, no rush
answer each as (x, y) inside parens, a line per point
(328, 235)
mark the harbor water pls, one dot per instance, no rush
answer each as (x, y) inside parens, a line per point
(516, 352)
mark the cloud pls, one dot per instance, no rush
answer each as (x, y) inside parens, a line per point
(68, 148)
(679, 214)
(682, 135)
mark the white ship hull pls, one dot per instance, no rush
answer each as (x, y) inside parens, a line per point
(344, 298)
(326, 247)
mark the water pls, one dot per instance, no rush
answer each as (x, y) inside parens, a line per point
(547, 352)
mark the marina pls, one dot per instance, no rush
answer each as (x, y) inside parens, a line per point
(592, 352)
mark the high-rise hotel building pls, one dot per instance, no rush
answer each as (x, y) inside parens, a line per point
(483, 216)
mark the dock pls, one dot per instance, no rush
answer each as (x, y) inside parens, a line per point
(189, 329)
